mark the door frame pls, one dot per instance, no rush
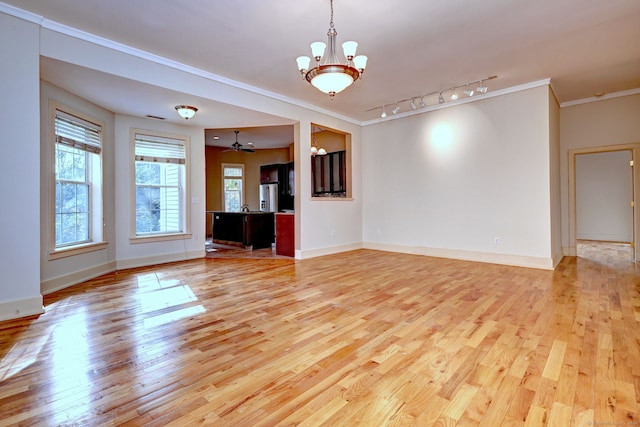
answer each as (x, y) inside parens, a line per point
(635, 186)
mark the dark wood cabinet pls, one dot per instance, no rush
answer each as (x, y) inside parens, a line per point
(284, 175)
(251, 229)
(328, 174)
(285, 234)
(269, 174)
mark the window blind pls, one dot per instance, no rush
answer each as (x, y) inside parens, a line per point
(76, 132)
(151, 148)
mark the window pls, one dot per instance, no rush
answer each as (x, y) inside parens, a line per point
(160, 184)
(77, 187)
(232, 186)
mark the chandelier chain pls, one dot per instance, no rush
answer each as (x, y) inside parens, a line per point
(331, 20)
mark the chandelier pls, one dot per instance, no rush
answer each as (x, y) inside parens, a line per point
(329, 75)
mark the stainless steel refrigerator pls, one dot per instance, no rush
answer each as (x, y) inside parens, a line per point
(269, 197)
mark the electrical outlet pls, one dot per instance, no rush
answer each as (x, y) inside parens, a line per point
(496, 240)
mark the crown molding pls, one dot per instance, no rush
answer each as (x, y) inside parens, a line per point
(600, 98)
(22, 14)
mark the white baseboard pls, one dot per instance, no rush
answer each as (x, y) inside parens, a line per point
(21, 308)
(158, 259)
(312, 253)
(52, 285)
(492, 258)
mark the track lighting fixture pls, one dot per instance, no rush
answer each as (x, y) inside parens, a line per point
(468, 91)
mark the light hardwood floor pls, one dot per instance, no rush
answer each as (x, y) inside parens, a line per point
(361, 338)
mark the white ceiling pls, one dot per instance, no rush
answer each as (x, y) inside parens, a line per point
(414, 47)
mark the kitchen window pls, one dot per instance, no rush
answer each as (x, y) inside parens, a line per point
(232, 186)
(77, 186)
(161, 185)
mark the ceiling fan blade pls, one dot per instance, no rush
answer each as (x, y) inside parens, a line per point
(248, 150)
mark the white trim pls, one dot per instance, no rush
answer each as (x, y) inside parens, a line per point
(159, 259)
(500, 92)
(487, 257)
(21, 308)
(20, 13)
(312, 253)
(77, 250)
(600, 98)
(159, 238)
(62, 282)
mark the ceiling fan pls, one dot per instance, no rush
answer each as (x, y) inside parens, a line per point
(236, 146)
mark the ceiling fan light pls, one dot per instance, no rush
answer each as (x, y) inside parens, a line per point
(186, 111)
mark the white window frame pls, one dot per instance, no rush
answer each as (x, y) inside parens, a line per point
(242, 179)
(95, 179)
(185, 190)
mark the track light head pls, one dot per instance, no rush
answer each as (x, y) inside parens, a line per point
(396, 109)
(454, 95)
(422, 104)
(440, 99)
(413, 104)
(468, 92)
(482, 88)
(384, 112)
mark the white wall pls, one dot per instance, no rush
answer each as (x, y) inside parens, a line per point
(607, 122)
(63, 272)
(449, 182)
(603, 193)
(19, 168)
(554, 172)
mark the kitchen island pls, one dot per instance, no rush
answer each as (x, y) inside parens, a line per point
(253, 230)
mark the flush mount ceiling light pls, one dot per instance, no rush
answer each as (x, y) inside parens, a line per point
(468, 91)
(186, 111)
(329, 75)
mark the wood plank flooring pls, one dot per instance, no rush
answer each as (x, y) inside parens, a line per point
(361, 338)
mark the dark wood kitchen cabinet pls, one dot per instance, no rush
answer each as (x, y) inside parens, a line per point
(251, 229)
(285, 234)
(328, 174)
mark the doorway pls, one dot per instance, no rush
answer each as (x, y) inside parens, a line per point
(603, 185)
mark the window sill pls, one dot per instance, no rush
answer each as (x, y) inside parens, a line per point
(330, 199)
(159, 238)
(77, 250)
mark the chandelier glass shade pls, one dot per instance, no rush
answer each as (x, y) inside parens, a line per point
(330, 75)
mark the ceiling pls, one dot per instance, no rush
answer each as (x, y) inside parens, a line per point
(414, 47)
